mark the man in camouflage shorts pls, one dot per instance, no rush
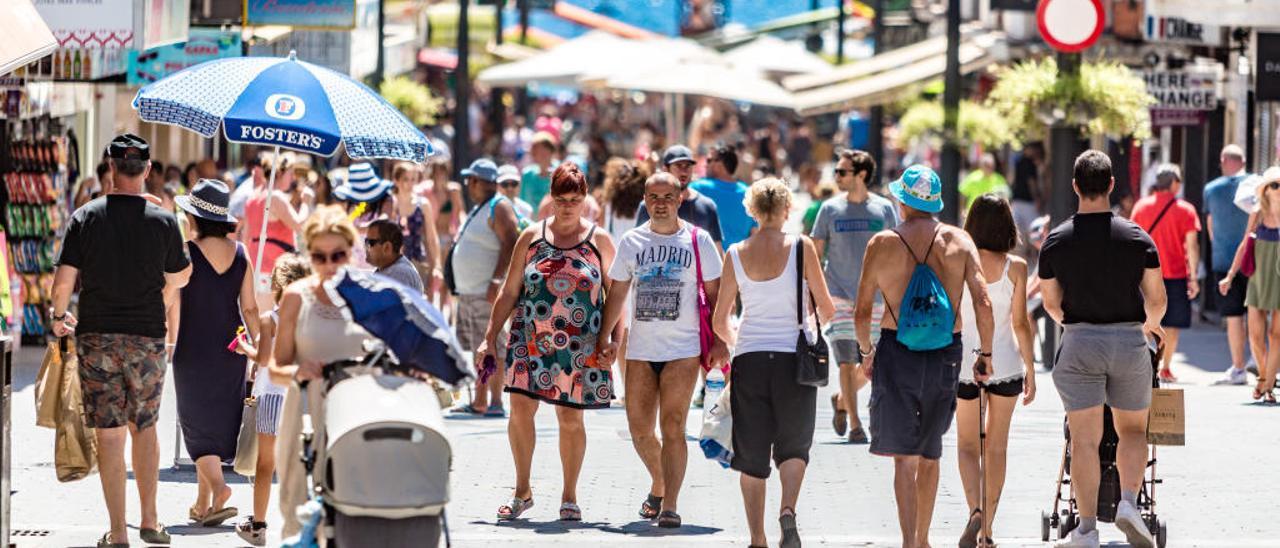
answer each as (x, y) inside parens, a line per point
(128, 255)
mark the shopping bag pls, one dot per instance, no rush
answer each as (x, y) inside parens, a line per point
(75, 451)
(716, 439)
(49, 381)
(1166, 421)
(246, 462)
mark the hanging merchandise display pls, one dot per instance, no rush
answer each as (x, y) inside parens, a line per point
(35, 183)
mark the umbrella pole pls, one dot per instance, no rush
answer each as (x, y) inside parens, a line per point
(266, 218)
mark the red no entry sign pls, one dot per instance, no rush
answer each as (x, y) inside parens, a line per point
(1070, 25)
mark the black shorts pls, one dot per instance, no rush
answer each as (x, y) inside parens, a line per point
(1011, 388)
(1178, 315)
(913, 397)
(772, 414)
(1231, 305)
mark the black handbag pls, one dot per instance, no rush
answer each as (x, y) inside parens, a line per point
(813, 365)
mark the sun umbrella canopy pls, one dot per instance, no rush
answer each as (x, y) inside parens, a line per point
(774, 55)
(410, 326)
(707, 76)
(283, 102)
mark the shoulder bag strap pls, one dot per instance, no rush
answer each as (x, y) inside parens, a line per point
(697, 255)
(799, 245)
(1160, 217)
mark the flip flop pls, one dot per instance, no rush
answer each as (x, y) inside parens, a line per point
(969, 538)
(858, 436)
(669, 520)
(840, 421)
(512, 511)
(215, 519)
(495, 411)
(790, 535)
(158, 536)
(570, 512)
(105, 542)
(194, 515)
(651, 506)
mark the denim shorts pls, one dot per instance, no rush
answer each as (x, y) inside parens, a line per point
(913, 397)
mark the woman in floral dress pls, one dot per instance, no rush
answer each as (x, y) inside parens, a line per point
(555, 285)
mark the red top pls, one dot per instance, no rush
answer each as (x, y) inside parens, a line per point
(1170, 235)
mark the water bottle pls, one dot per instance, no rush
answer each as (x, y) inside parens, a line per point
(714, 386)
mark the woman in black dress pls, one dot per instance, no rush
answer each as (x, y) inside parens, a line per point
(209, 377)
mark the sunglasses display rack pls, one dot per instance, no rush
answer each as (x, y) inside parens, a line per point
(34, 172)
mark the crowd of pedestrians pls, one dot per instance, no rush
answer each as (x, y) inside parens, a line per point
(665, 276)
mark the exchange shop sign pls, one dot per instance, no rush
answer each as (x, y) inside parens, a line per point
(201, 45)
(305, 14)
(1183, 89)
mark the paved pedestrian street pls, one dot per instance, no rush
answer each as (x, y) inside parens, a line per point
(1216, 492)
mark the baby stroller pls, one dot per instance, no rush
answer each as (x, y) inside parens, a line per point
(380, 466)
(1066, 516)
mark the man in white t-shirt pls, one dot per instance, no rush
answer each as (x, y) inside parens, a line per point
(663, 350)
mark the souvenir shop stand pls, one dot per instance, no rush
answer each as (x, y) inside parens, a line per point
(34, 196)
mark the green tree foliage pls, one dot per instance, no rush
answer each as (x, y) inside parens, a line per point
(976, 124)
(411, 98)
(1104, 98)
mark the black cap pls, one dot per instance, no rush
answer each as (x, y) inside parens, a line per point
(129, 146)
(676, 153)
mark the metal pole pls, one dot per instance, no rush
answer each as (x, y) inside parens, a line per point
(951, 108)
(524, 21)
(381, 66)
(875, 132)
(839, 32)
(497, 15)
(258, 283)
(462, 93)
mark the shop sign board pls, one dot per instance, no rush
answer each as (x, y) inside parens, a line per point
(1188, 89)
(1161, 117)
(203, 44)
(1014, 5)
(1226, 13)
(1170, 29)
(301, 14)
(1267, 73)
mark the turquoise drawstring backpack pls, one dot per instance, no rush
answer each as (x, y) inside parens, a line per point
(927, 320)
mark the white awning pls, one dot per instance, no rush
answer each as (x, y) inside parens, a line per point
(885, 61)
(882, 86)
(708, 77)
(26, 36)
(772, 55)
(1226, 13)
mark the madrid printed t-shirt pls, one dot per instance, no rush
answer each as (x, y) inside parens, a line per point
(664, 324)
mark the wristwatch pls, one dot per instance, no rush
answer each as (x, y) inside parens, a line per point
(979, 352)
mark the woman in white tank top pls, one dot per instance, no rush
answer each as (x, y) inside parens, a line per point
(990, 224)
(773, 415)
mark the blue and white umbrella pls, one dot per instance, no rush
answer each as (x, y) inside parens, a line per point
(283, 102)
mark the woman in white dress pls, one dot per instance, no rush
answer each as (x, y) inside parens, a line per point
(990, 224)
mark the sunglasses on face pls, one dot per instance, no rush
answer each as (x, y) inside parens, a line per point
(1273, 185)
(370, 242)
(337, 257)
(509, 184)
(843, 172)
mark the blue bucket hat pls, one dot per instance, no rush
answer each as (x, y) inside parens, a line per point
(483, 169)
(362, 185)
(919, 188)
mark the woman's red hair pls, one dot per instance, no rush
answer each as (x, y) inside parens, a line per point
(568, 179)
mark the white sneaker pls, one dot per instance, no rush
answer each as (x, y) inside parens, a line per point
(1233, 376)
(1129, 521)
(1079, 540)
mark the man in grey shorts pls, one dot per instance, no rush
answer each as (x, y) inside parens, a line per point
(1100, 277)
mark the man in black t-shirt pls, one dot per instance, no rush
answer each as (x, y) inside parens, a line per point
(126, 252)
(1100, 277)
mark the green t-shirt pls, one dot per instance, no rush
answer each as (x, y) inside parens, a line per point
(977, 183)
(533, 186)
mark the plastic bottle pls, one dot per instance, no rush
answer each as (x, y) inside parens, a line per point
(714, 386)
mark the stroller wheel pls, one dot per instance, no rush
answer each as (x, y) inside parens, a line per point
(1162, 535)
(1066, 524)
(1044, 526)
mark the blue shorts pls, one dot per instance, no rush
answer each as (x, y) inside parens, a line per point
(913, 397)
